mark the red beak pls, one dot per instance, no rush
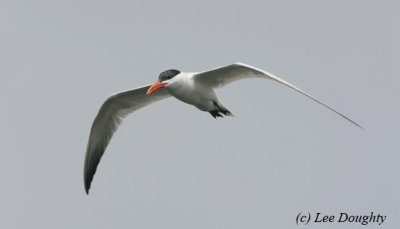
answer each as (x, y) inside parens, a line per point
(157, 85)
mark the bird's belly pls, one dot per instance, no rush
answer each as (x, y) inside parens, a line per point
(201, 97)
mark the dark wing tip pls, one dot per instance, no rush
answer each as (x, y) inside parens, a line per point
(90, 170)
(87, 187)
(343, 116)
(89, 175)
(358, 125)
(88, 182)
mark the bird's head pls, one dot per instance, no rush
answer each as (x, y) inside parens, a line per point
(163, 80)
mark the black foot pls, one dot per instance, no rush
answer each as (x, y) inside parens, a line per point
(221, 112)
(226, 112)
(216, 114)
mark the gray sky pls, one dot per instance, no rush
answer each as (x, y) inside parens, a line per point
(172, 166)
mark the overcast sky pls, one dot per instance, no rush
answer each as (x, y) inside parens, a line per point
(170, 165)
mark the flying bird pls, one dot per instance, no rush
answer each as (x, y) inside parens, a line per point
(197, 89)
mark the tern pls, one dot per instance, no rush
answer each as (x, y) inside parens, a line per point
(197, 89)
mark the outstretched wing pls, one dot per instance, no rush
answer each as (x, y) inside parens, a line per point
(110, 115)
(219, 77)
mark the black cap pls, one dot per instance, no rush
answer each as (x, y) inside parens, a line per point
(168, 74)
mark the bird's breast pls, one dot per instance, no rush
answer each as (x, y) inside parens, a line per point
(194, 93)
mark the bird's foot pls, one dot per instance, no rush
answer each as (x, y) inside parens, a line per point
(220, 113)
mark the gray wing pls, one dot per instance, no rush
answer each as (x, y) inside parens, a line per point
(110, 115)
(219, 77)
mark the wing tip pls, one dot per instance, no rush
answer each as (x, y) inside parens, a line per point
(87, 186)
(88, 178)
(343, 116)
(358, 125)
